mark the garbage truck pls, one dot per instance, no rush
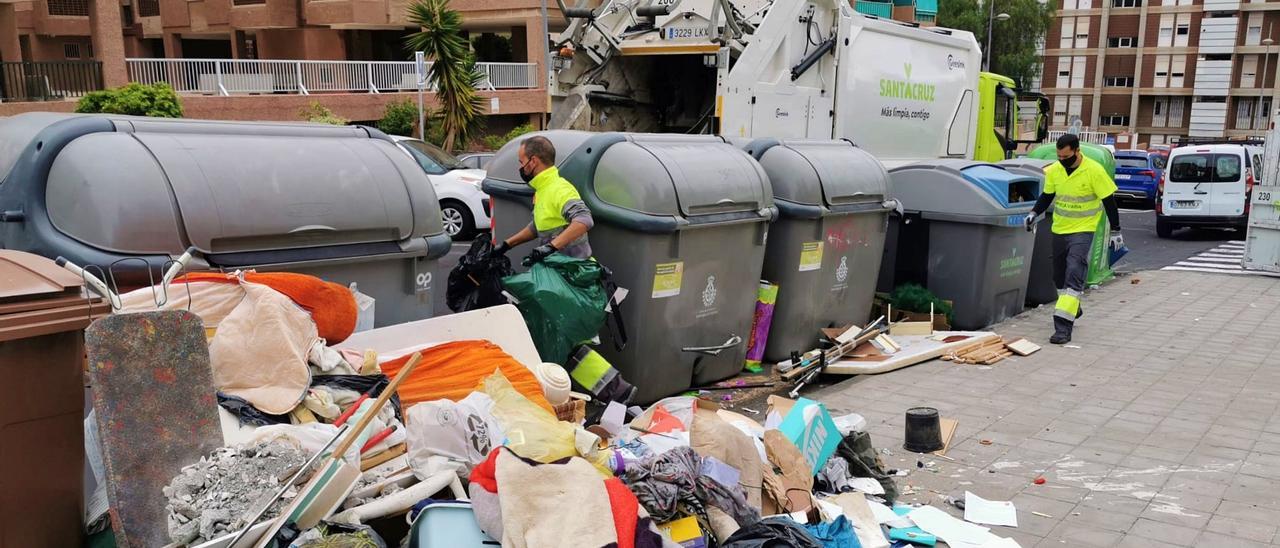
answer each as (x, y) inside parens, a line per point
(787, 70)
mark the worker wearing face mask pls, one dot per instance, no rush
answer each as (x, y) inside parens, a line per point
(1080, 190)
(560, 218)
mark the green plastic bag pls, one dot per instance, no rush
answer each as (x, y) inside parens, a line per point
(1100, 254)
(562, 300)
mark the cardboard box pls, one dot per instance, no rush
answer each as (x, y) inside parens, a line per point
(809, 426)
(684, 531)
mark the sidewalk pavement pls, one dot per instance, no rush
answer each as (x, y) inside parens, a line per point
(1160, 427)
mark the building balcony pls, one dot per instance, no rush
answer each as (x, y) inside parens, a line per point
(269, 76)
(264, 14)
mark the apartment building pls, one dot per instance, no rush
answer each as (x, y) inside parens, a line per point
(1159, 70)
(259, 59)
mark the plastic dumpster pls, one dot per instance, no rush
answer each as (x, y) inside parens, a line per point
(42, 322)
(681, 221)
(510, 198)
(1040, 288)
(825, 248)
(338, 202)
(962, 236)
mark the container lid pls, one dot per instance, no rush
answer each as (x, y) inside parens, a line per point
(686, 176)
(505, 164)
(822, 172)
(26, 277)
(963, 187)
(238, 188)
(37, 297)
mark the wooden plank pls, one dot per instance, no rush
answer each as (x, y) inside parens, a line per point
(914, 350)
(394, 451)
(948, 427)
(1023, 347)
(906, 329)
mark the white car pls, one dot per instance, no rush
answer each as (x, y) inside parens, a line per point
(463, 206)
(1208, 186)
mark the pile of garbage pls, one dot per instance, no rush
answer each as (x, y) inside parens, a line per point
(208, 498)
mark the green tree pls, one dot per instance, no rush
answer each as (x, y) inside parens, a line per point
(1013, 42)
(319, 114)
(399, 118)
(453, 73)
(493, 48)
(156, 100)
(495, 142)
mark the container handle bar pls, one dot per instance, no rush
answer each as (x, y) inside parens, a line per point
(733, 341)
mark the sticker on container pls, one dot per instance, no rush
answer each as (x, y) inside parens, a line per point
(666, 279)
(810, 256)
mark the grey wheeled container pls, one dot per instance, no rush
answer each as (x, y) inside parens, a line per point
(340, 203)
(825, 248)
(510, 198)
(962, 236)
(1040, 288)
(681, 221)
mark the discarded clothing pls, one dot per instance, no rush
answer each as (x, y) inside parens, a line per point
(533, 505)
(863, 461)
(835, 534)
(672, 485)
(331, 306)
(834, 477)
(453, 370)
(259, 352)
(247, 413)
(477, 280)
(775, 532)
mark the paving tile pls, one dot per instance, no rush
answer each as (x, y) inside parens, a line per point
(1175, 535)
(1248, 512)
(1241, 529)
(1209, 539)
(1174, 514)
(1074, 535)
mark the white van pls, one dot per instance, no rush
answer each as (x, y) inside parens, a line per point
(1207, 186)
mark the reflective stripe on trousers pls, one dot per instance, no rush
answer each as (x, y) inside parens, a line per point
(1068, 305)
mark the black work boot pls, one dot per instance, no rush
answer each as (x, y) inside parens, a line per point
(1061, 331)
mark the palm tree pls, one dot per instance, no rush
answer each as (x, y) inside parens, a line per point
(452, 74)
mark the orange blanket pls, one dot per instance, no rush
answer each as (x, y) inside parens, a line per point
(331, 305)
(453, 370)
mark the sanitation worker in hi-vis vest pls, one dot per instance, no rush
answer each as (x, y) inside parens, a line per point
(1079, 190)
(560, 218)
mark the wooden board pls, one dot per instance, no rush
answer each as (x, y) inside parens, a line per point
(155, 403)
(1022, 347)
(915, 349)
(906, 329)
(948, 427)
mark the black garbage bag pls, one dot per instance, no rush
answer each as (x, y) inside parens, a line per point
(776, 532)
(477, 280)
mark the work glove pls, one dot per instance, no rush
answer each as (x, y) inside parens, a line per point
(501, 250)
(1117, 241)
(1030, 221)
(538, 254)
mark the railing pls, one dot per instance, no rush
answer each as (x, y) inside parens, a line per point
(148, 8)
(241, 76)
(76, 8)
(48, 80)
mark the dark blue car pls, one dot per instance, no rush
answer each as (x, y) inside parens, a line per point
(1138, 173)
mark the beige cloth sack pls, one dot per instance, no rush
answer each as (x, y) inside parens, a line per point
(259, 352)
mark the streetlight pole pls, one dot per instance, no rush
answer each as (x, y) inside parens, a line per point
(1262, 81)
(546, 58)
(991, 18)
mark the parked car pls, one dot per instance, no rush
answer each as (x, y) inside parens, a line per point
(1137, 176)
(475, 160)
(1207, 186)
(463, 206)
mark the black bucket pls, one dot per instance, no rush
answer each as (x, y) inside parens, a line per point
(924, 432)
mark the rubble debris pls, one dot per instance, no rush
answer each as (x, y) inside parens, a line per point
(207, 498)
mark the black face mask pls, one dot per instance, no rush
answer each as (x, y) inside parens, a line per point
(526, 176)
(1068, 162)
